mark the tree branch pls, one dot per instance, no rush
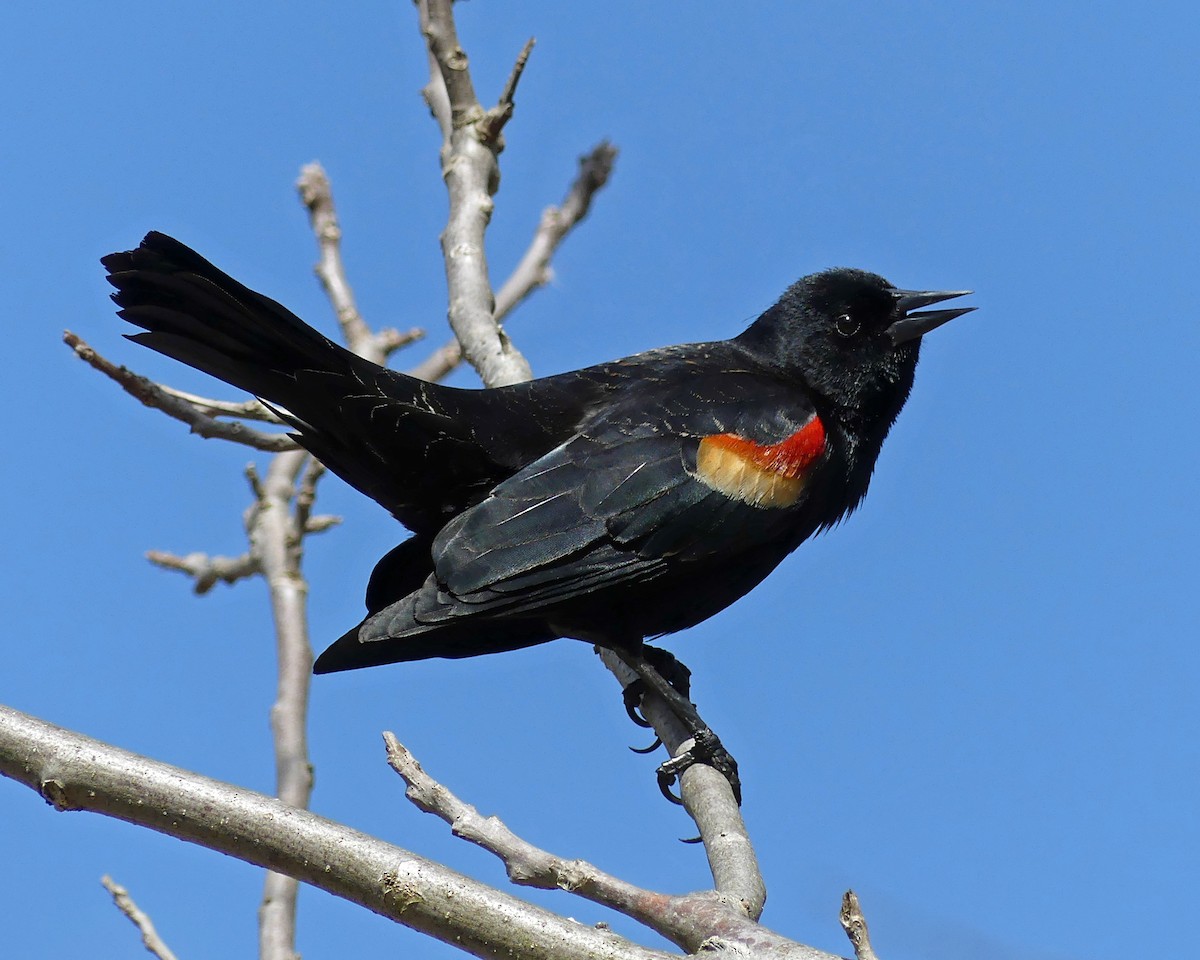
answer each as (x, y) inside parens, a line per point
(595, 167)
(316, 193)
(855, 925)
(686, 921)
(709, 800)
(150, 938)
(152, 395)
(206, 571)
(490, 126)
(242, 409)
(534, 271)
(74, 772)
(276, 550)
(471, 173)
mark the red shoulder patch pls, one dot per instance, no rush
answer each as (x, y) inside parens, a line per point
(764, 475)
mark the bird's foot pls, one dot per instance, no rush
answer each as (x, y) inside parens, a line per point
(661, 673)
(706, 748)
(668, 668)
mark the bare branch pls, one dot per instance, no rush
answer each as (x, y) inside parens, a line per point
(243, 409)
(595, 167)
(277, 549)
(855, 925)
(317, 196)
(471, 173)
(306, 494)
(150, 938)
(73, 772)
(321, 523)
(206, 571)
(526, 864)
(709, 800)
(687, 920)
(491, 125)
(441, 35)
(152, 395)
(533, 271)
(389, 339)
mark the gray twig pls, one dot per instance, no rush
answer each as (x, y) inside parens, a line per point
(153, 395)
(205, 570)
(150, 938)
(490, 126)
(855, 925)
(686, 920)
(534, 270)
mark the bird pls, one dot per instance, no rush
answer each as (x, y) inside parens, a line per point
(613, 504)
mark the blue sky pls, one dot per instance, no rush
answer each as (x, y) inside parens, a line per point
(974, 702)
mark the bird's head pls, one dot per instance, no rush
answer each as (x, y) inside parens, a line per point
(851, 336)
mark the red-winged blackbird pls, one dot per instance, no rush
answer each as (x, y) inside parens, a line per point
(609, 504)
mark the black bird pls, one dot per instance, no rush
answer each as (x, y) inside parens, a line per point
(610, 504)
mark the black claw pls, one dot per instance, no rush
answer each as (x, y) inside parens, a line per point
(650, 749)
(632, 695)
(691, 840)
(707, 749)
(665, 779)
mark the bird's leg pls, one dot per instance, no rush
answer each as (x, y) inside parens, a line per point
(662, 673)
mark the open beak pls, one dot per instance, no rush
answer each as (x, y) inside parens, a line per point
(913, 325)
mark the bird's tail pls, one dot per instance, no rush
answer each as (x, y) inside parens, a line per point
(201, 316)
(372, 426)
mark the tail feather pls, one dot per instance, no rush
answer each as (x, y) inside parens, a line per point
(373, 427)
(451, 641)
(197, 314)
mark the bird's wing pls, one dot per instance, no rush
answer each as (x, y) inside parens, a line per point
(631, 497)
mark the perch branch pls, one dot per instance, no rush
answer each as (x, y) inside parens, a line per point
(709, 800)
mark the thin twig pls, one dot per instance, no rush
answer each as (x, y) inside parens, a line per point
(150, 938)
(678, 918)
(317, 197)
(152, 395)
(490, 126)
(242, 409)
(595, 167)
(855, 925)
(205, 570)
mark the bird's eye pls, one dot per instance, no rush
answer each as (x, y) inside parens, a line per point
(846, 325)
